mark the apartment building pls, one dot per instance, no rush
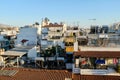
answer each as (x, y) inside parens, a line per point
(70, 38)
(96, 62)
(52, 34)
(9, 33)
(29, 37)
(52, 45)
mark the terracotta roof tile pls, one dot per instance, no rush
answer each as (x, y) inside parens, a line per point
(37, 74)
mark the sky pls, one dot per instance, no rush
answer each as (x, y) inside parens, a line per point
(72, 12)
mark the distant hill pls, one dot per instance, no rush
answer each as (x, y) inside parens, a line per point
(6, 26)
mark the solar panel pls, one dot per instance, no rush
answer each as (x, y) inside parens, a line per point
(8, 72)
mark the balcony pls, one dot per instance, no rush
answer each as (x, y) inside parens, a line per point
(58, 38)
(93, 71)
(55, 33)
(75, 70)
(44, 30)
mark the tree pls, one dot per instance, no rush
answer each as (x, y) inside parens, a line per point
(36, 23)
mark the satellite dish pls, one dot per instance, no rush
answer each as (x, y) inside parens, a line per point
(22, 62)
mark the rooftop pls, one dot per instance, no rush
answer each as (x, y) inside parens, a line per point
(98, 54)
(99, 48)
(43, 74)
(38, 74)
(18, 51)
(104, 52)
(54, 25)
(13, 53)
(22, 48)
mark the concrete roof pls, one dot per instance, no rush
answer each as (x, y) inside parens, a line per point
(13, 53)
(99, 48)
(22, 48)
(18, 51)
(104, 52)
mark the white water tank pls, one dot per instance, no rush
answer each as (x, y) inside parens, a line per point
(76, 46)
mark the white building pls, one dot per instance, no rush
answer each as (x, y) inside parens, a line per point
(52, 34)
(32, 53)
(28, 36)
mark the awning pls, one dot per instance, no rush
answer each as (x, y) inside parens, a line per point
(17, 51)
(98, 54)
(69, 52)
(13, 53)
